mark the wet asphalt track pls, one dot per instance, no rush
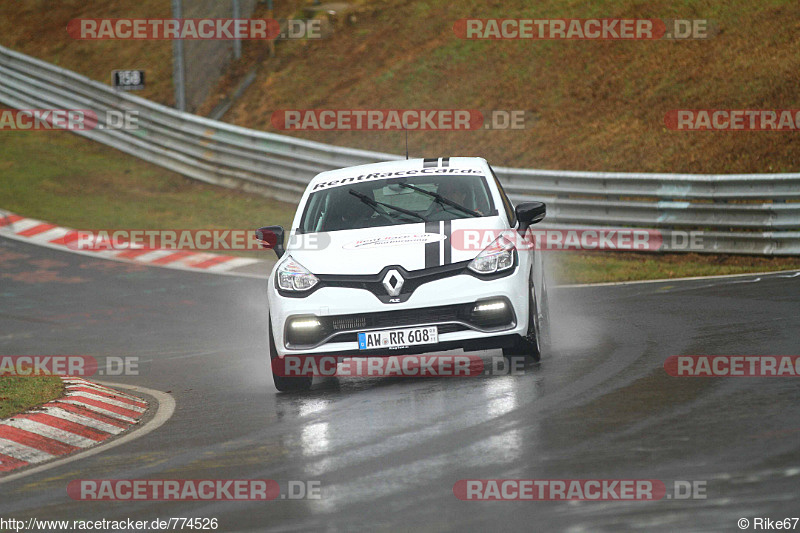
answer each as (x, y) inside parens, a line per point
(388, 451)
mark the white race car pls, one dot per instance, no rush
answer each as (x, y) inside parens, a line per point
(400, 257)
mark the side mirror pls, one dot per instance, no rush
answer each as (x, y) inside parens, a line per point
(272, 237)
(529, 213)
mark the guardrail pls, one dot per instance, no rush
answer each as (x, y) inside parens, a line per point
(747, 213)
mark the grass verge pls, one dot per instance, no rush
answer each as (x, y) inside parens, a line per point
(70, 181)
(20, 393)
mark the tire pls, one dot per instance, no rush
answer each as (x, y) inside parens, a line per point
(283, 383)
(527, 347)
(545, 338)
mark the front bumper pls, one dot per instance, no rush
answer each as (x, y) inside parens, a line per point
(343, 312)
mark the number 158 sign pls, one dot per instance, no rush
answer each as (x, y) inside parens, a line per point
(128, 80)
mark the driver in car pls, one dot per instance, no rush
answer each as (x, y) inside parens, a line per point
(457, 191)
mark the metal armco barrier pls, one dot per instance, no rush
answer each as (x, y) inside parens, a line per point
(747, 213)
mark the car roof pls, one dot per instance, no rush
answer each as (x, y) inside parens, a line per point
(471, 163)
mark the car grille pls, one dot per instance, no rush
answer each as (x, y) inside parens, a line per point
(343, 323)
(390, 319)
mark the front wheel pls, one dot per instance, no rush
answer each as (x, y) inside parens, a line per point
(284, 383)
(543, 331)
(528, 346)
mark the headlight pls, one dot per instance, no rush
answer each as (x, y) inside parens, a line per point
(496, 257)
(292, 276)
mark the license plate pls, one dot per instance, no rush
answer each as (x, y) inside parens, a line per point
(395, 338)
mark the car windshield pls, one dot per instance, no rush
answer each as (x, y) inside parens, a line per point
(388, 202)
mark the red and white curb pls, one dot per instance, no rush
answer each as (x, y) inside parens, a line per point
(85, 416)
(44, 234)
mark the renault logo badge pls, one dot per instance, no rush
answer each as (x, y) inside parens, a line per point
(393, 282)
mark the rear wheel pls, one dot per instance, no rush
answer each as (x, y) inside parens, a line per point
(528, 347)
(284, 383)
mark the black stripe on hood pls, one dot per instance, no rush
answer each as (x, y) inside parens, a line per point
(448, 246)
(432, 248)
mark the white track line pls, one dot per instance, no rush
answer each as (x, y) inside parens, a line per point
(794, 273)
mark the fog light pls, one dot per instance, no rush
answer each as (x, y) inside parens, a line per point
(304, 331)
(496, 306)
(305, 324)
(494, 313)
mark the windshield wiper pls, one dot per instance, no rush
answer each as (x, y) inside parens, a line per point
(374, 205)
(441, 199)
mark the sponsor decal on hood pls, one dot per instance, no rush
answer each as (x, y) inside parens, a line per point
(394, 240)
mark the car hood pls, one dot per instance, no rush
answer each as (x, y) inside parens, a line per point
(411, 246)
